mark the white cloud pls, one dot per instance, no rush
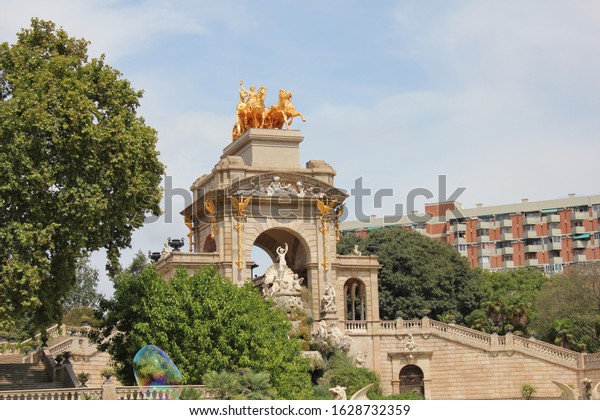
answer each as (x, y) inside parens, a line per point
(114, 27)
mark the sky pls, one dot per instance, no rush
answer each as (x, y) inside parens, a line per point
(503, 98)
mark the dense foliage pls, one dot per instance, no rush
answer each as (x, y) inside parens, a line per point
(420, 276)
(83, 293)
(78, 169)
(568, 309)
(204, 323)
(507, 302)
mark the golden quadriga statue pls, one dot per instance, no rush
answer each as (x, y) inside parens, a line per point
(252, 113)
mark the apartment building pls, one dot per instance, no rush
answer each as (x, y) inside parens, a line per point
(546, 235)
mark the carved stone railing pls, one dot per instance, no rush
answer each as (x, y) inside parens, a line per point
(158, 393)
(568, 356)
(356, 326)
(462, 332)
(61, 347)
(16, 348)
(591, 360)
(488, 342)
(387, 325)
(53, 394)
(108, 391)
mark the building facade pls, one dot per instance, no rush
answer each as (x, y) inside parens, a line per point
(546, 235)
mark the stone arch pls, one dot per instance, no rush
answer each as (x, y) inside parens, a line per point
(209, 245)
(355, 299)
(298, 254)
(412, 379)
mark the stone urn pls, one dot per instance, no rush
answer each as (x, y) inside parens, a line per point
(107, 375)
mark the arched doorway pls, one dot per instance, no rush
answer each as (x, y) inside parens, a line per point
(411, 380)
(298, 254)
(355, 294)
(209, 245)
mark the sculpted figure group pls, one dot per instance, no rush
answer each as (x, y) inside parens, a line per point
(252, 113)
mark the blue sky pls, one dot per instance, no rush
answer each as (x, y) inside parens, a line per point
(501, 97)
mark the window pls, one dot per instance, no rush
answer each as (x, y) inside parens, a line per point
(484, 261)
(596, 237)
(483, 232)
(506, 229)
(558, 267)
(461, 248)
(506, 258)
(356, 300)
(532, 214)
(530, 228)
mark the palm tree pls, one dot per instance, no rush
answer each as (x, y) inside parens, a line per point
(562, 332)
(256, 385)
(226, 385)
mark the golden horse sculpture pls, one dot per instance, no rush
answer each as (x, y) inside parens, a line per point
(251, 111)
(282, 113)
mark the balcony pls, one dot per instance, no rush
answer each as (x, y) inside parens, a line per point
(577, 230)
(506, 237)
(483, 238)
(505, 223)
(506, 250)
(486, 252)
(484, 225)
(533, 248)
(580, 215)
(554, 246)
(530, 234)
(552, 218)
(532, 262)
(485, 266)
(554, 232)
(458, 227)
(460, 240)
(508, 264)
(556, 260)
(580, 244)
(579, 258)
(532, 220)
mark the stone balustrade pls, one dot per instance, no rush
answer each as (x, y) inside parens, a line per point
(105, 392)
(488, 342)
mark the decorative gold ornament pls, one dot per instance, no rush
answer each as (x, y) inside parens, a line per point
(240, 207)
(190, 225)
(252, 113)
(210, 209)
(325, 209)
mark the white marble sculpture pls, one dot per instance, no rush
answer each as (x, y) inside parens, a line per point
(328, 299)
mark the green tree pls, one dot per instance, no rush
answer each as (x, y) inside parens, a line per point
(204, 323)
(568, 309)
(507, 302)
(225, 385)
(256, 385)
(420, 276)
(84, 292)
(78, 168)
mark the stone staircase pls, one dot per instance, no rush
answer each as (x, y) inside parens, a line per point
(25, 376)
(11, 358)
